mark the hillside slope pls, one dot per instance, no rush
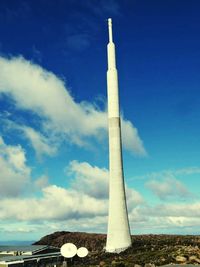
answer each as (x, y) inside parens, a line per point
(154, 249)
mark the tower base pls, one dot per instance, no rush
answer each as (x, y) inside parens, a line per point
(116, 250)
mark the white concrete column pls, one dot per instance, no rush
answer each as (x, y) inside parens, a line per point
(118, 234)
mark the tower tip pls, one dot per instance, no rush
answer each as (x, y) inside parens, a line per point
(110, 29)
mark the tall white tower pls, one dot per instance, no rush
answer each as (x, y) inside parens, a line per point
(118, 235)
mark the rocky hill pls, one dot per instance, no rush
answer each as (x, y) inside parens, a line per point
(93, 242)
(146, 250)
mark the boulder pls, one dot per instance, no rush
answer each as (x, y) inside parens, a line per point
(194, 258)
(181, 259)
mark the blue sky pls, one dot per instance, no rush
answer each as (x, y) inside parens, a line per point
(53, 115)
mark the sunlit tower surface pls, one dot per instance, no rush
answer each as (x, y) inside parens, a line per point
(118, 234)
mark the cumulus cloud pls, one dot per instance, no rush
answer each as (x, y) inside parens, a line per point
(169, 187)
(168, 218)
(134, 198)
(41, 144)
(88, 179)
(174, 210)
(56, 203)
(41, 92)
(15, 174)
(83, 212)
(94, 181)
(87, 197)
(42, 182)
(84, 205)
(131, 139)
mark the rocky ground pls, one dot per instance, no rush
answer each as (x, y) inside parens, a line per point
(146, 250)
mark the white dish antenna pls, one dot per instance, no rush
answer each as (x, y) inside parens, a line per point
(68, 250)
(82, 252)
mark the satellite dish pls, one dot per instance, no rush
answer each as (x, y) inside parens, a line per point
(82, 252)
(68, 250)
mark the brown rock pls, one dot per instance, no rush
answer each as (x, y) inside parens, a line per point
(181, 259)
(194, 259)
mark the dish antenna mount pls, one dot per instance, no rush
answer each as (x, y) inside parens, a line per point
(68, 250)
(82, 252)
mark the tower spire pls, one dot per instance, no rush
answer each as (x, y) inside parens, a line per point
(110, 30)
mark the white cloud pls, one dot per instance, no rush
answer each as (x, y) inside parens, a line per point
(168, 173)
(34, 89)
(14, 174)
(94, 181)
(91, 180)
(42, 182)
(56, 204)
(34, 230)
(41, 144)
(168, 218)
(187, 171)
(134, 198)
(86, 198)
(174, 210)
(131, 139)
(168, 187)
(84, 205)
(64, 209)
